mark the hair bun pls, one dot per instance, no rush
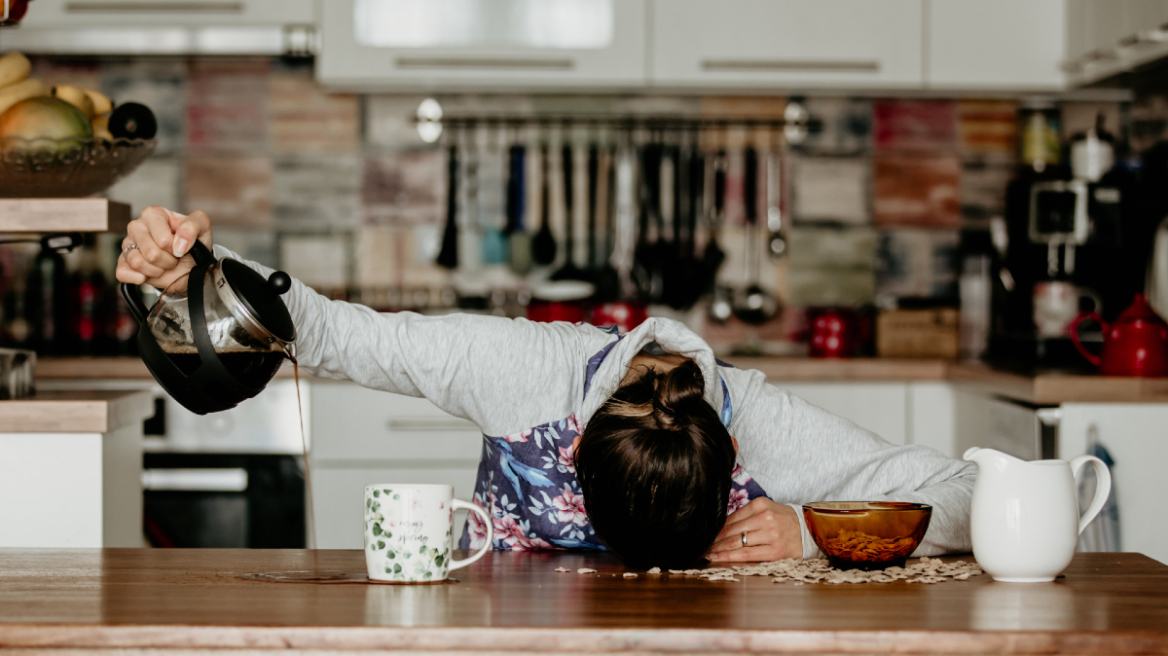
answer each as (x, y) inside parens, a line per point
(677, 390)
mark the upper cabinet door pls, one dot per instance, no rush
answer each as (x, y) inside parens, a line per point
(996, 44)
(126, 13)
(791, 44)
(482, 44)
(165, 27)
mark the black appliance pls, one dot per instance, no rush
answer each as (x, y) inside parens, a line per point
(1064, 247)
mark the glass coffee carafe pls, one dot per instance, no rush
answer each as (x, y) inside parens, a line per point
(216, 336)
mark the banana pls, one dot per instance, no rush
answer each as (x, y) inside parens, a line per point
(101, 102)
(101, 128)
(14, 93)
(76, 97)
(14, 67)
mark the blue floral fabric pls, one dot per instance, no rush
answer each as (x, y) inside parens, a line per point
(528, 484)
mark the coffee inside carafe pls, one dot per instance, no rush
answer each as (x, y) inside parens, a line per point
(252, 368)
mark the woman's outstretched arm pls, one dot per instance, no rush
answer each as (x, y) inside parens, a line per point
(505, 375)
(801, 453)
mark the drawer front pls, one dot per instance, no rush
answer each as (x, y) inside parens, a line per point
(350, 422)
(339, 495)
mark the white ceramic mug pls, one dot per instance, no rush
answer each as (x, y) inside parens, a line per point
(409, 532)
(1024, 518)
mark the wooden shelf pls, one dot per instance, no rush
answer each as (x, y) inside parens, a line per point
(45, 215)
(75, 411)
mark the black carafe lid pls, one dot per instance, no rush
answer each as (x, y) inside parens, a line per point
(261, 297)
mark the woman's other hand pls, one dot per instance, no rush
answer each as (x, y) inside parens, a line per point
(772, 533)
(157, 244)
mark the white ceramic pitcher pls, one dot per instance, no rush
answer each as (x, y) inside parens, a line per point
(1025, 519)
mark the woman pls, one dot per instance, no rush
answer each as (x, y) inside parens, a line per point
(640, 443)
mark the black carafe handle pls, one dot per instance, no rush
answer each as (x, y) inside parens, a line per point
(203, 255)
(137, 307)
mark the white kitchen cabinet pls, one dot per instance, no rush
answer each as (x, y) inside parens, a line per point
(362, 436)
(482, 44)
(878, 407)
(1136, 435)
(929, 416)
(73, 481)
(1107, 37)
(165, 27)
(995, 44)
(790, 44)
(88, 13)
(350, 422)
(1143, 15)
(1079, 30)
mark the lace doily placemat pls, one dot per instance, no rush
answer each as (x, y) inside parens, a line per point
(925, 570)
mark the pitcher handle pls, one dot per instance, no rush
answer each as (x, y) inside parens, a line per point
(1102, 486)
(459, 504)
(1091, 357)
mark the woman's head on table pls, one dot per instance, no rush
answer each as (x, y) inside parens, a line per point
(655, 465)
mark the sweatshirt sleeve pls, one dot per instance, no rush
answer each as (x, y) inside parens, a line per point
(801, 453)
(502, 374)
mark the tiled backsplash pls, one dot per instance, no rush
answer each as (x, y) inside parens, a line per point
(340, 190)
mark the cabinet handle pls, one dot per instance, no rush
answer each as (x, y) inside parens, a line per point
(484, 63)
(128, 7)
(791, 65)
(428, 425)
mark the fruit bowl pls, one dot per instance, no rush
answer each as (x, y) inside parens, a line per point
(867, 534)
(67, 168)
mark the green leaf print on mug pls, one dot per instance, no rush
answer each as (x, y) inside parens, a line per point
(376, 529)
(380, 545)
(376, 493)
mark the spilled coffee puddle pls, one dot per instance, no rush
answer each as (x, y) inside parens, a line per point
(327, 577)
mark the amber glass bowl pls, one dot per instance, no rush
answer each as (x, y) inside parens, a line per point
(867, 534)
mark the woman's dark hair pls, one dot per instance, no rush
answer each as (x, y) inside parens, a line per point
(654, 466)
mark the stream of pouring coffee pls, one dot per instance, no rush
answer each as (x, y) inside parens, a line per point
(307, 467)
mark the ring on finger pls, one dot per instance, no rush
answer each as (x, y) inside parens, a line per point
(129, 248)
(744, 538)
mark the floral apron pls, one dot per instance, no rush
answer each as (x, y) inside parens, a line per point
(527, 482)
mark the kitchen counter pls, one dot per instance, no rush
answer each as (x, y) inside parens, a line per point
(1038, 389)
(71, 468)
(514, 602)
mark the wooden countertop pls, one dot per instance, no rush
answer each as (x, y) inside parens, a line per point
(514, 602)
(1039, 389)
(75, 411)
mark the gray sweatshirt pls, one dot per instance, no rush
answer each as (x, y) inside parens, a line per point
(507, 375)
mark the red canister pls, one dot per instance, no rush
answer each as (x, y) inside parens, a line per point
(625, 315)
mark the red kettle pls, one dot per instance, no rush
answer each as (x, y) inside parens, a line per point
(1136, 344)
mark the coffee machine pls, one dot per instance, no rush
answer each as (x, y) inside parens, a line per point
(1062, 245)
